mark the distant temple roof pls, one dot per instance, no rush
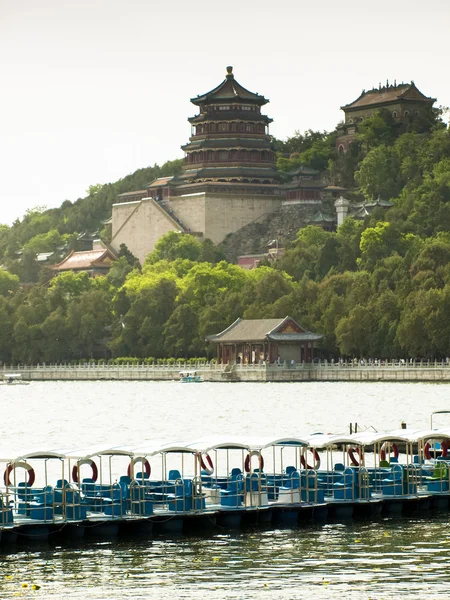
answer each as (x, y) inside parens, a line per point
(133, 193)
(229, 90)
(302, 170)
(161, 181)
(259, 330)
(320, 217)
(387, 95)
(86, 261)
(362, 209)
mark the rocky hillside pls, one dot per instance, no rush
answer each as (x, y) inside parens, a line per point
(281, 225)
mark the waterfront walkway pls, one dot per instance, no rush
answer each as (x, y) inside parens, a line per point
(394, 370)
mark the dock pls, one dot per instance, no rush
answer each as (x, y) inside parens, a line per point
(394, 371)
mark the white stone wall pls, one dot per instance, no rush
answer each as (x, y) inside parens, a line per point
(139, 225)
(190, 209)
(227, 214)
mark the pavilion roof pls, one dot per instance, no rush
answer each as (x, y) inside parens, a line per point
(320, 217)
(229, 90)
(161, 182)
(389, 94)
(302, 170)
(85, 260)
(259, 330)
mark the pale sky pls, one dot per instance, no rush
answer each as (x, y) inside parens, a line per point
(92, 90)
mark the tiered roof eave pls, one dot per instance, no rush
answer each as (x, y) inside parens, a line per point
(227, 91)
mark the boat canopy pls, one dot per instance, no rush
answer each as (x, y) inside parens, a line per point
(328, 440)
(368, 438)
(269, 442)
(164, 447)
(208, 444)
(41, 454)
(422, 435)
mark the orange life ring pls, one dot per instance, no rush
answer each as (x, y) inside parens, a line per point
(316, 456)
(208, 466)
(355, 461)
(248, 460)
(384, 448)
(427, 449)
(145, 464)
(85, 461)
(10, 468)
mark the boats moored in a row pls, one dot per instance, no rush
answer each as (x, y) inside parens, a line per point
(222, 481)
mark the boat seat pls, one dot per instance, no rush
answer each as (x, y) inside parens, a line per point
(139, 476)
(45, 497)
(292, 480)
(59, 492)
(88, 487)
(342, 491)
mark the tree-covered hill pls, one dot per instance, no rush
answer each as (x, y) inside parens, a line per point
(378, 287)
(43, 230)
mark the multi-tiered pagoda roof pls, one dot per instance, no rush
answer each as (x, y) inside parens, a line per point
(230, 139)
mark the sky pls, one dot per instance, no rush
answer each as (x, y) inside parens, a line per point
(91, 90)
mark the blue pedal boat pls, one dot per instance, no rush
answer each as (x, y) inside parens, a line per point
(222, 462)
(170, 478)
(32, 497)
(432, 466)
(291, 492)
(336, 465)
(393, 477)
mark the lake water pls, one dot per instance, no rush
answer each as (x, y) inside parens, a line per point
(388, 558)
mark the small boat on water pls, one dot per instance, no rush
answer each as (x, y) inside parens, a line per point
(190, 377)
(13, 379)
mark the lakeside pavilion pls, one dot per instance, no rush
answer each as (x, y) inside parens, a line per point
(250, 341)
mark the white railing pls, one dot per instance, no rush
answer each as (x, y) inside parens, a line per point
(213, 366)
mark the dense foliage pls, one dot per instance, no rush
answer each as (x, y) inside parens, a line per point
(44, 230)
(377, 288)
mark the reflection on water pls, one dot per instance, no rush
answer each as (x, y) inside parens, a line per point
(387, 559)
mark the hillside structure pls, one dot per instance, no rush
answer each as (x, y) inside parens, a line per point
(228, 180)
(95, 262)
(403, 101)
(270, 340)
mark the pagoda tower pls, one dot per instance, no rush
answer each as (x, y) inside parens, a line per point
(228, 180)
(230, 140)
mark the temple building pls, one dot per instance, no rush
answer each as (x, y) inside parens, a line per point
(403, 101)
(306, 186)
(95, 262)
(265, 340)
(228, 179)
(230, 140)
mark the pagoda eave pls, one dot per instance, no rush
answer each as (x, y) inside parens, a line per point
(228, 144)
(222, 116)
(207, 101)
